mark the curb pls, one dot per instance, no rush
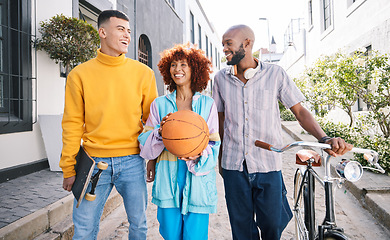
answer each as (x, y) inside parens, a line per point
(53, 221)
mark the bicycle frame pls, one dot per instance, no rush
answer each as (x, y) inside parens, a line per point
(329, 222)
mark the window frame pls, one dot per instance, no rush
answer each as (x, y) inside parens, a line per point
(200, 36)
(310, 14)
(352, 5)
(192, 28)
(326, 30)
(207, 46)
(16, 114)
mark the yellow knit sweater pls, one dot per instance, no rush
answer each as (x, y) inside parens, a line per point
(105, 100)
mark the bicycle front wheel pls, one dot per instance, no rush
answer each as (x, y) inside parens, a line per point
(301, 231)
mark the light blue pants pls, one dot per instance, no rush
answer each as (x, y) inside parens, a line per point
(176, 226)
(128, 174)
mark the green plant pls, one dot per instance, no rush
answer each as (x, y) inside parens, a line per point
(361, 136)
(68, 40)
(340, 79)
(286, 114)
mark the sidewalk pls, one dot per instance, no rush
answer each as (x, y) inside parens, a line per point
(36, 203)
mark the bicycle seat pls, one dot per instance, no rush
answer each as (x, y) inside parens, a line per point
(302, 156)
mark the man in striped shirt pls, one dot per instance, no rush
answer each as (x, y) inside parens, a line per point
(246, 94)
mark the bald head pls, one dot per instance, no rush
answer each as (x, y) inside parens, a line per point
(241, 33)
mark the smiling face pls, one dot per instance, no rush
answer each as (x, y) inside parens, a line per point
(181, 72)
(115, 37)
(233, 47)
(237, 41)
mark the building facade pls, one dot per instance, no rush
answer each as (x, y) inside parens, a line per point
(333, 25)
(199, 31)
(32, 88)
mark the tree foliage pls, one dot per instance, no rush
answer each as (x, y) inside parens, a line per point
(68, 40)
(339, 80)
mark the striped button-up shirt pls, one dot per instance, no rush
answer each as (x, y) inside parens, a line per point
(252, 112)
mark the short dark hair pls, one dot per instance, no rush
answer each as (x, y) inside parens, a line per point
(107, 14)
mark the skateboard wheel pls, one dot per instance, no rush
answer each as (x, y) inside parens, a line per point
(102, 165)
(90, 197)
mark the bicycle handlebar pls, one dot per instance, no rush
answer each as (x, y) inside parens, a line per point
(370, 155)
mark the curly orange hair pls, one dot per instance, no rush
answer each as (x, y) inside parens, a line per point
(200, 65)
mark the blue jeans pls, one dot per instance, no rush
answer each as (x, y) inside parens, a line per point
(257, 194)
(128, 174)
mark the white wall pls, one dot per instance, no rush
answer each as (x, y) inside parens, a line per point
(293, 60)
(364, 23)
(51, 87)
(351, 30)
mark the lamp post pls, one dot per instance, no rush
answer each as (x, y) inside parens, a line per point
(269, 43)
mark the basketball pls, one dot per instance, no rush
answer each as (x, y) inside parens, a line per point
(185, 134)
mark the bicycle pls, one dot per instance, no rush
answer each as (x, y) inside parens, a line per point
(304, 187)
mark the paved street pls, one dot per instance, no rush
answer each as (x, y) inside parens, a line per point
(356, 221)
(23, 196)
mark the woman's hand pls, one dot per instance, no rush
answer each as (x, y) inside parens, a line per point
(163, 122)
(190, 158)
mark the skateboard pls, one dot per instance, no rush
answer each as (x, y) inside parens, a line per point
(84, 169)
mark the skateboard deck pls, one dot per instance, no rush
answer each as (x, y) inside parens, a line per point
(84, 169)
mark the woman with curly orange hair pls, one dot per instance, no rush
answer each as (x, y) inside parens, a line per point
(184, 189)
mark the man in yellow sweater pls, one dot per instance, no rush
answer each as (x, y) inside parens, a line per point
(106, 98)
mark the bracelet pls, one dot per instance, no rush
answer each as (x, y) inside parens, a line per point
(324, 139)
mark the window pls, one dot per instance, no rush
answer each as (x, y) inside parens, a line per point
(192, 27)
(207, 46)
(172, 2)
(200, 36)
(352, 5)
(218, 61)
(145, 50)
(362, 106)
(15, 66)
(327, 14)
(310, 13)
(211, 52)
(88, 15)
(216, 57)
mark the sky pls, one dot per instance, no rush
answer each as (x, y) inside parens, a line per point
(225, 13)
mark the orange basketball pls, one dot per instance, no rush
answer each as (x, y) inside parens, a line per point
(185, 134)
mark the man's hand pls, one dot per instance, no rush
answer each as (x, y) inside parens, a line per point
(339, 147)
(68, 183)
(150, 170)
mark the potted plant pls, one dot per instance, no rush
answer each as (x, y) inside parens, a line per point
(68, 40)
